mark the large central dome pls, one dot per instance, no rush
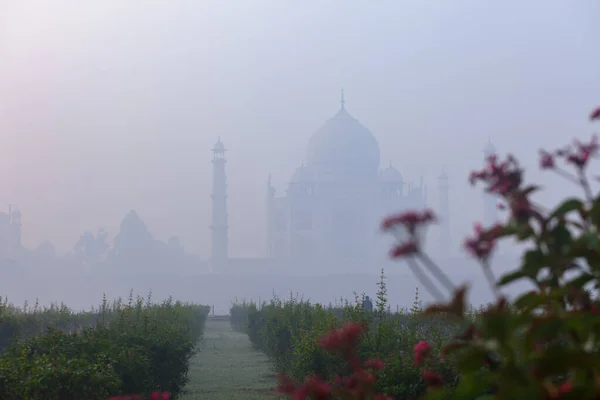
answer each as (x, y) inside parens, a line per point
(343, 144)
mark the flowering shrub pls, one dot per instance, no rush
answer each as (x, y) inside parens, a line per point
(289, 333)
(134, 348)
(541, 345)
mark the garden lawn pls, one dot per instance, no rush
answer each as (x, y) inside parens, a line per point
(228, 368)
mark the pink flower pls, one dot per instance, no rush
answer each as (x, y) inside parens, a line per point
(343, 340)
(160, 396)
(432, 378)
(502, 178)
(546, 160)
(483, 243)
(409, 220)
(422, 350)
(583, 152)
(313, 388)
(403, 250)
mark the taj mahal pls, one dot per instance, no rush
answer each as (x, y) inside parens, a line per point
(327, 219)
(330, 213)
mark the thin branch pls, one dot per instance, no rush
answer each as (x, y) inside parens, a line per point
(568, 176)
(437, 271)
(586, 185)
(491, 278)
(425, 281)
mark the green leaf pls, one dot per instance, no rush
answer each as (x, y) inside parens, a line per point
(472, 359)
(473, 384)
(529, 300)
(507, 230)
(497, 325)
(566, 207)
(558, 360)
(595, 210)
(581, 280)
(560, 239)
(541, 328)
(512, 382)
(533, 262)
(512, 276)
(436, 394)
(524, 231)
(591, 240)
(581, 250)
(530, 189)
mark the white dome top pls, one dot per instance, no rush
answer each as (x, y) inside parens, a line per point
(343, 144)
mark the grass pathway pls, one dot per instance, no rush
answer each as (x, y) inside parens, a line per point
(228, 368)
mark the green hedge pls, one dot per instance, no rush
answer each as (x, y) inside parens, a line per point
(137, 347)
(288, 332)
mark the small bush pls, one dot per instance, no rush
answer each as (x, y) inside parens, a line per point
(140, 347)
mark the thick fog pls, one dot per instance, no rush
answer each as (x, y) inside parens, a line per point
(111, 106)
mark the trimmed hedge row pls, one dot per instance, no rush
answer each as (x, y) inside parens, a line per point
(289, 331)
(138, 347)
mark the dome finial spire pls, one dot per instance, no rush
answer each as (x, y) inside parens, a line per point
(489, 148)
(342, 100)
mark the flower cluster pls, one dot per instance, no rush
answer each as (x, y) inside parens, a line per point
(483, 243)
(422, 350)
(360, 384)
(343, 341)
(405, 228)
(502, 178)
(577, 155)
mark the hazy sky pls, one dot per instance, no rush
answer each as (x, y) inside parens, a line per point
(112, 105)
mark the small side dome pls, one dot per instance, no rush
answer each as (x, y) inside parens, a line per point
(303, 174)
(391, 175)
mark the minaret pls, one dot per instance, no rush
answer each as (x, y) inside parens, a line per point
(342, 100)
(490, 203)
(220, 239)
(269, 219)
(443, 192)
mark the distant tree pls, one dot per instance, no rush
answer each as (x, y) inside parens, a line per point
(92, 248)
